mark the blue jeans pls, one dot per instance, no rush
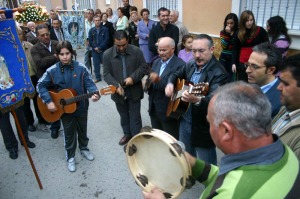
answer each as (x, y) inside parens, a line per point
(208, 155)
(97, 59)
(185, 131)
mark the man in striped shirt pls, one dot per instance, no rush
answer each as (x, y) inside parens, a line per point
(256, 163)
(286, 124)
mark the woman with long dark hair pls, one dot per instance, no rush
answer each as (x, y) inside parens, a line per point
(248, 36)
(278, 34)
(227, 38)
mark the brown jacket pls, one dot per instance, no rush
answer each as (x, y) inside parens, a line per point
(290, 134)
(42, 57)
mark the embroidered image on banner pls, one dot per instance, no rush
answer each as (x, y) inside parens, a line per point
(15, 83)
(73, 27)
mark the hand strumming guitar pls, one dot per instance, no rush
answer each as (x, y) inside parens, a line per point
(51, 107)
(169, 89)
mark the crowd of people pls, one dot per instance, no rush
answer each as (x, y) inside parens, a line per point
(251, 110)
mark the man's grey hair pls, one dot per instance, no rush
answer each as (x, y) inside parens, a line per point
(30, 23)
(175, 12)
(245, 106)
(207, 37)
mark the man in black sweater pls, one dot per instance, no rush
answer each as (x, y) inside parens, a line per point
(163, 29)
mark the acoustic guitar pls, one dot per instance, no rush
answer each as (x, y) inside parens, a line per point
(66, 101)
(178, 107)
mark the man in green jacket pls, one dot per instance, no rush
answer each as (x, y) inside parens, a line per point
(256, 164)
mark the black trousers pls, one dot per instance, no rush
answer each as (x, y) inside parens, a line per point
(169, 125)
(27, 110)
(8, 134)
(75, 127)
(241, 72)
(130, 115)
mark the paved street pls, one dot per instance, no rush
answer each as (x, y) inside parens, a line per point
(107, 177)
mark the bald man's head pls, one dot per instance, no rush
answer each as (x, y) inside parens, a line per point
(166, 47)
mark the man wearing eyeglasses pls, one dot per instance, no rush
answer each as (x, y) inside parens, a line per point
(194, 128)
(44, 55)
(261, 69)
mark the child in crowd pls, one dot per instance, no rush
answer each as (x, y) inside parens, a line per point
(186, 48)
(65, 74)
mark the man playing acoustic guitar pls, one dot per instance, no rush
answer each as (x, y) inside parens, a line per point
(70, 74)
(162, 68)
(194, 128)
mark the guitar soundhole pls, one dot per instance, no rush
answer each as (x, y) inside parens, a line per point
(63, 102)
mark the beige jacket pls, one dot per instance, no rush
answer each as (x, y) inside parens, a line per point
(31, 65)
(290, 134)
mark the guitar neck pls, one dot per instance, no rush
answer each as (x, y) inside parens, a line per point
(80, 97)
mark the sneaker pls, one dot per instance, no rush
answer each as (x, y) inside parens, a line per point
(71, 165)
(87, 154)
(42, 127)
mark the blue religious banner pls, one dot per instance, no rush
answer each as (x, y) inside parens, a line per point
(15, 83)
(73, 27)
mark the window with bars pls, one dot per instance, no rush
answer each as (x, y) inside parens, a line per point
(86, 4)
(154, 5)
(264, 9)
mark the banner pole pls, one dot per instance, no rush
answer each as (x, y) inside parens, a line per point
(26, 147)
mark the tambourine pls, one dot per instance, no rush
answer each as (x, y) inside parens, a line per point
(157, 160)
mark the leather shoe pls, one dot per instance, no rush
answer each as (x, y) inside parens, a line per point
(29, 144)
(124, 140)
(54, 134)
(31, 128)
(13, 153)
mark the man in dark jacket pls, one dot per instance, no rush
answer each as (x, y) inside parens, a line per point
(98, 40)
(124, 66)
(163, 29)
(162, 68)
(261, 69)
(44, 55)
(194, 128)
(126, 8)
(56, 33)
